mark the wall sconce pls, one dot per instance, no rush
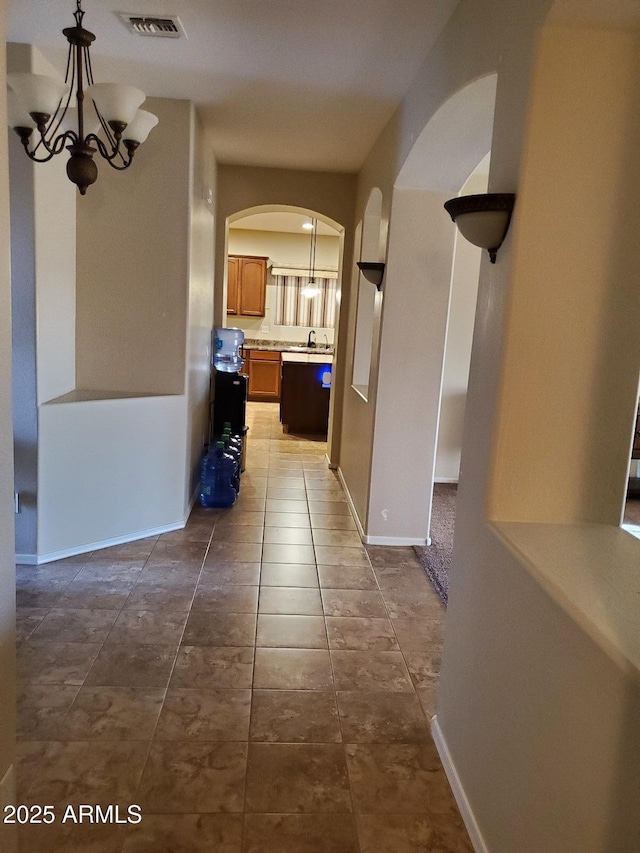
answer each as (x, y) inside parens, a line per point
(373, 272)
(482, 219)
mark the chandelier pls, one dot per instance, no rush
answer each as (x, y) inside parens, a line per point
(41, 114)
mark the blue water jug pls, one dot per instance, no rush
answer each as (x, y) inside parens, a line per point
(236, 442)
(216, 476)
(232, 450)
(226, 350)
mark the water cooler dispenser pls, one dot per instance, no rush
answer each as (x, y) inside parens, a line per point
(229, 384)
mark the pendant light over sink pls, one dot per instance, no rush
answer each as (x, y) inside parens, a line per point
(41, 114)
(311, 289)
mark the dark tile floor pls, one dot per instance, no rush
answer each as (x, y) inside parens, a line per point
(258, 682)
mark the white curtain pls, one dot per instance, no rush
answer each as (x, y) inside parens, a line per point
(293, 309)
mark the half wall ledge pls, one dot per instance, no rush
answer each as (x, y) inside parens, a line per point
(592, 572)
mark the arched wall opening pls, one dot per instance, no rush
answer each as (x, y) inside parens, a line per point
(463, 296)
(287, 249)
(277, 232)
(372, 248)
(331, 197)
(417, 288)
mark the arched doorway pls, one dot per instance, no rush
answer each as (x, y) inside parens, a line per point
(422, 269)
(295, 245)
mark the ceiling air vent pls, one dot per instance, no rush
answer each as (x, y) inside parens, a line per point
(169, 26)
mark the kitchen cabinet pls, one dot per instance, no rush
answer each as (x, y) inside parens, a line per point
(246, 285)
(264, 375)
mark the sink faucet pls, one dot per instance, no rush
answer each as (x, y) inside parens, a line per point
(311, 343)
(326, 342)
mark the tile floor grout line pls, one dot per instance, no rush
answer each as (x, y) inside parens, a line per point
(175, 659)
(252, 691)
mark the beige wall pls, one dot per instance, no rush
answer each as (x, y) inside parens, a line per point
(109, 471)
(540, 719)
(23, 318)
(242, 188)
(457, 353)
(51, 218)
(43, 298)
(416, 296)
(564, 436)
(529, 700)
(133, 250)
(476, 35)
(200, 304)
(285, 248)
(7, 581)
(361, 321)
(118, 458)
(416, 308)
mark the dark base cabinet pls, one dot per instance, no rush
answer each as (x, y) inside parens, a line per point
(304, 402)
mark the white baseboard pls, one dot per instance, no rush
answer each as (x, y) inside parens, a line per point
(479, 844)
(633, 529)
(347, 495)
(332, 466)
(39, 559)
(445, 480)
(376, 540)
(395, 540)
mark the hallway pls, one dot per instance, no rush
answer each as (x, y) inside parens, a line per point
(258, 682)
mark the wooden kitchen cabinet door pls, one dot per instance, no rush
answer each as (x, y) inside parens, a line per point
(233, 285)
(264, 376)
(253, 286)
(246, 285)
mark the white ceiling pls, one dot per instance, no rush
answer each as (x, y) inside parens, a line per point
(290, 222)
(303, 84)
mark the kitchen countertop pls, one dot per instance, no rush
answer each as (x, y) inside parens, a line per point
(286, 346)
(308, 357)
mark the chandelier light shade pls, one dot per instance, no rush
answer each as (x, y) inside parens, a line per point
(117, 104)
(41, 95)
(40, 112)
(482, 219)
(141, 126)
(16, 114)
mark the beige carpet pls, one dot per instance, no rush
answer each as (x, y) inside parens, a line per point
(436, 558)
